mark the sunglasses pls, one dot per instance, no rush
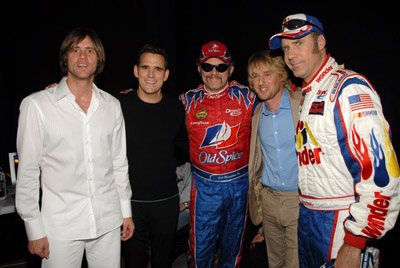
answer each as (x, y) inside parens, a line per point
(296, 23)
(219, 67)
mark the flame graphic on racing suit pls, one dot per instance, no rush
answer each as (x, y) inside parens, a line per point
(221, 136)
(245, 92)
(381, 177)
(235, 92)
(361, 154)
(393, 166)
(192, 97)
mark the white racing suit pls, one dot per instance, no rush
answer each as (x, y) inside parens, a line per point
(348, 170)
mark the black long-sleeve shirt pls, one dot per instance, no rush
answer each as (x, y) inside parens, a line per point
(153, 131)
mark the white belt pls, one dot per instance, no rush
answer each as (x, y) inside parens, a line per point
(330, 203)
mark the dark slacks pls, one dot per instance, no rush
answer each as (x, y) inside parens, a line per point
(155, 227)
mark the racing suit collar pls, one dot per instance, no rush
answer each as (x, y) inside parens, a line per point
(319, 75)
(215, 93)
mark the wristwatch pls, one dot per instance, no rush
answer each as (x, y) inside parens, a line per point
(186, 204)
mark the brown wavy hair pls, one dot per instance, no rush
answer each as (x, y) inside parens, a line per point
(74, 38)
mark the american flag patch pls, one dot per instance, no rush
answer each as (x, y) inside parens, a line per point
(361, 101)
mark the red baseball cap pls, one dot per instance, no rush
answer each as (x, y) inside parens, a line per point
(215, 49)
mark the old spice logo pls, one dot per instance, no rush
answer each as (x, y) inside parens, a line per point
(377, 216)
(324, 73)
(221, 136)
(220, 158)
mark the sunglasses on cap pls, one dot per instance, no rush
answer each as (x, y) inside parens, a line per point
(219, 67)
(296, 23)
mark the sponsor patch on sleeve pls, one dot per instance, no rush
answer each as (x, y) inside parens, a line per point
(364, 114)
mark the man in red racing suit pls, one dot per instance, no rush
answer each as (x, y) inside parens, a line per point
(218, 120)
(348, 172)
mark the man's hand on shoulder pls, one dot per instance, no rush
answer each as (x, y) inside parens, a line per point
(51, 85)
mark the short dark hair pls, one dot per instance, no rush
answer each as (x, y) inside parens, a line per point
(72, 39)
(148, 48)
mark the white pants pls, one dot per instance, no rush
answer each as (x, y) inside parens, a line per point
(104, 251)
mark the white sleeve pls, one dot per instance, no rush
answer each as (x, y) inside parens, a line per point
(29, 148)
(120, 164)
(369, 154)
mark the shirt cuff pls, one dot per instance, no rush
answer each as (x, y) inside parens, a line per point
(355, 240)
(126, 209)
(35, 229)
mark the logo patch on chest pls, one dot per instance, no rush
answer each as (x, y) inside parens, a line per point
(317, 108)
(221, 136)
(201, 114)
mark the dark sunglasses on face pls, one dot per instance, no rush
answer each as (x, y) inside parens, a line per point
(296, 23)
(219, 67)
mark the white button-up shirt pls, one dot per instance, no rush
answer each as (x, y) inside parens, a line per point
(77, 159)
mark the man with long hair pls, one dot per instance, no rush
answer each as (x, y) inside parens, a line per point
(71, 145)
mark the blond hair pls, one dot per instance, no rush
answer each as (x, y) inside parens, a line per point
(268, 58)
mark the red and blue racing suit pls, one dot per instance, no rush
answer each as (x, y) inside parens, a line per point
(219, 134)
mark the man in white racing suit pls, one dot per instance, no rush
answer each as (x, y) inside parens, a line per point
(348, 170)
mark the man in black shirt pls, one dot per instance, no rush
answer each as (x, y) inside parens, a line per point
(154, 127)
